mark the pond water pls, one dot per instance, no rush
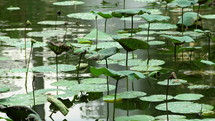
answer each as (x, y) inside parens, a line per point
(90, 106)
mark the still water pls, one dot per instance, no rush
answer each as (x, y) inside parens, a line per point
(12, 23)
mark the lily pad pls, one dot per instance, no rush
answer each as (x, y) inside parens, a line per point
(173, 82)
(146, 1)
(189, 18)
(199, 87)
(146, 69)
(122, 56)
(135, 118)
(188, 96)
(91, 87)
(153, 43)
(146, 32)
(4, 88)
(171, 117)
(51, 22)
(131, 62)
(13, 8)
(84, 16)
(208, 16)
(124, 95)
(52, 68)
(101, 36)
(68, 3)
(207, 62)
(177, 39)
(153, 17)
(184, 107)
(103, 45)
(158, 26)
(109, 62)
(94, 81)
(47, 33)
(156, 98)
(65, 83)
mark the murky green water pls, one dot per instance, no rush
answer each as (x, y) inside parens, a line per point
(12, 23)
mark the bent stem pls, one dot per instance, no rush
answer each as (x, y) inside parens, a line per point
(117, 81)
(167, 89)
(28, 63)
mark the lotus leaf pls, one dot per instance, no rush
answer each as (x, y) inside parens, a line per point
(177, 39)
(189, 19)
(4, 88)
(135, 118)
(131, 62)
(153, 17)
(51, 22)
(13, 8)
(91, 87)
(129, 19)
(68, 3)
(109, 62)
(47, 33)
(154, 11)
(158, 26)
(146, 69)
(94, 81)
(84, 16)
(103, 45)
(146, 32)
(116, 74)
(172, 82)
(156, 98)
(171, 117)
(102, 54)
(179, 10)
(199, 87)
(188, 96)
(128, 12)
(105, 14)
(101, 36)
(208, 16)
(52, 68)
(65, 83)
(184, 107)
(122, 56)
(124, 95)
(152, 43)
(19, 70)
(147, 1)
(207, 62)
(183, 3)
(21, 44)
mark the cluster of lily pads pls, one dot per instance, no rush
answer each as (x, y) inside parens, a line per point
(107, 49)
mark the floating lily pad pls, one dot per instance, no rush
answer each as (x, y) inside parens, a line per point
(52, 68)
(68, 3)
(21, 44)
(109, 62)
(151, 43)
(199, 87)
(207, 62)
(135, 118)
(19, 70)
(189, 18)
(47, 33)
(91, 87)
(101, 36)
(178, 39)
(131, 62)
(208, 16)
(65, 83)
(156, 98)
(13, 8)
(124, 95)
(4, 88)
(84, 16)
(158, 26)
(146, 69)
(94, 81)
(184, 107)
(173, 82)
(146, 32)
(4, 58)
(129, 19)
(103, 45)
(122, 56)
(179, 10)
(201, 73)
(188, 96)
(171, 117)
(146, 1)
(154, 17)
(51, 22)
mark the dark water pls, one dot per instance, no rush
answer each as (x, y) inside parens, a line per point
(12, 23)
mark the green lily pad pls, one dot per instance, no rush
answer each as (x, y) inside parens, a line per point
(146, 32)
(68, 3)
(189, 18)
(47, 33)
(154, 11)
(124, 95)
(65, 83)
(135, 118)
(153, 17)
(183, 3)
(131, 62)
(21, 44)
(173, 82)
(146, 69)
(184, 107)
(91, 87)
(102, 54)
(129, 19)
(179, 10)
(84, 16)
(151, 43)
(52, 68)
(178, 39)
(188, 96)
(4, 58)
(105, 14)
(207, 62)
(4, 88)
(146, 1)
(199, 87)
(109, 62)
(94, 81)
(19, 70)
(101, 36)
(156, 98)
(158, 26)
(171, 117)
(212, 16)
(122, 56)
(128, 12)
(102, 45)
(13, 8)
(51, 22)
